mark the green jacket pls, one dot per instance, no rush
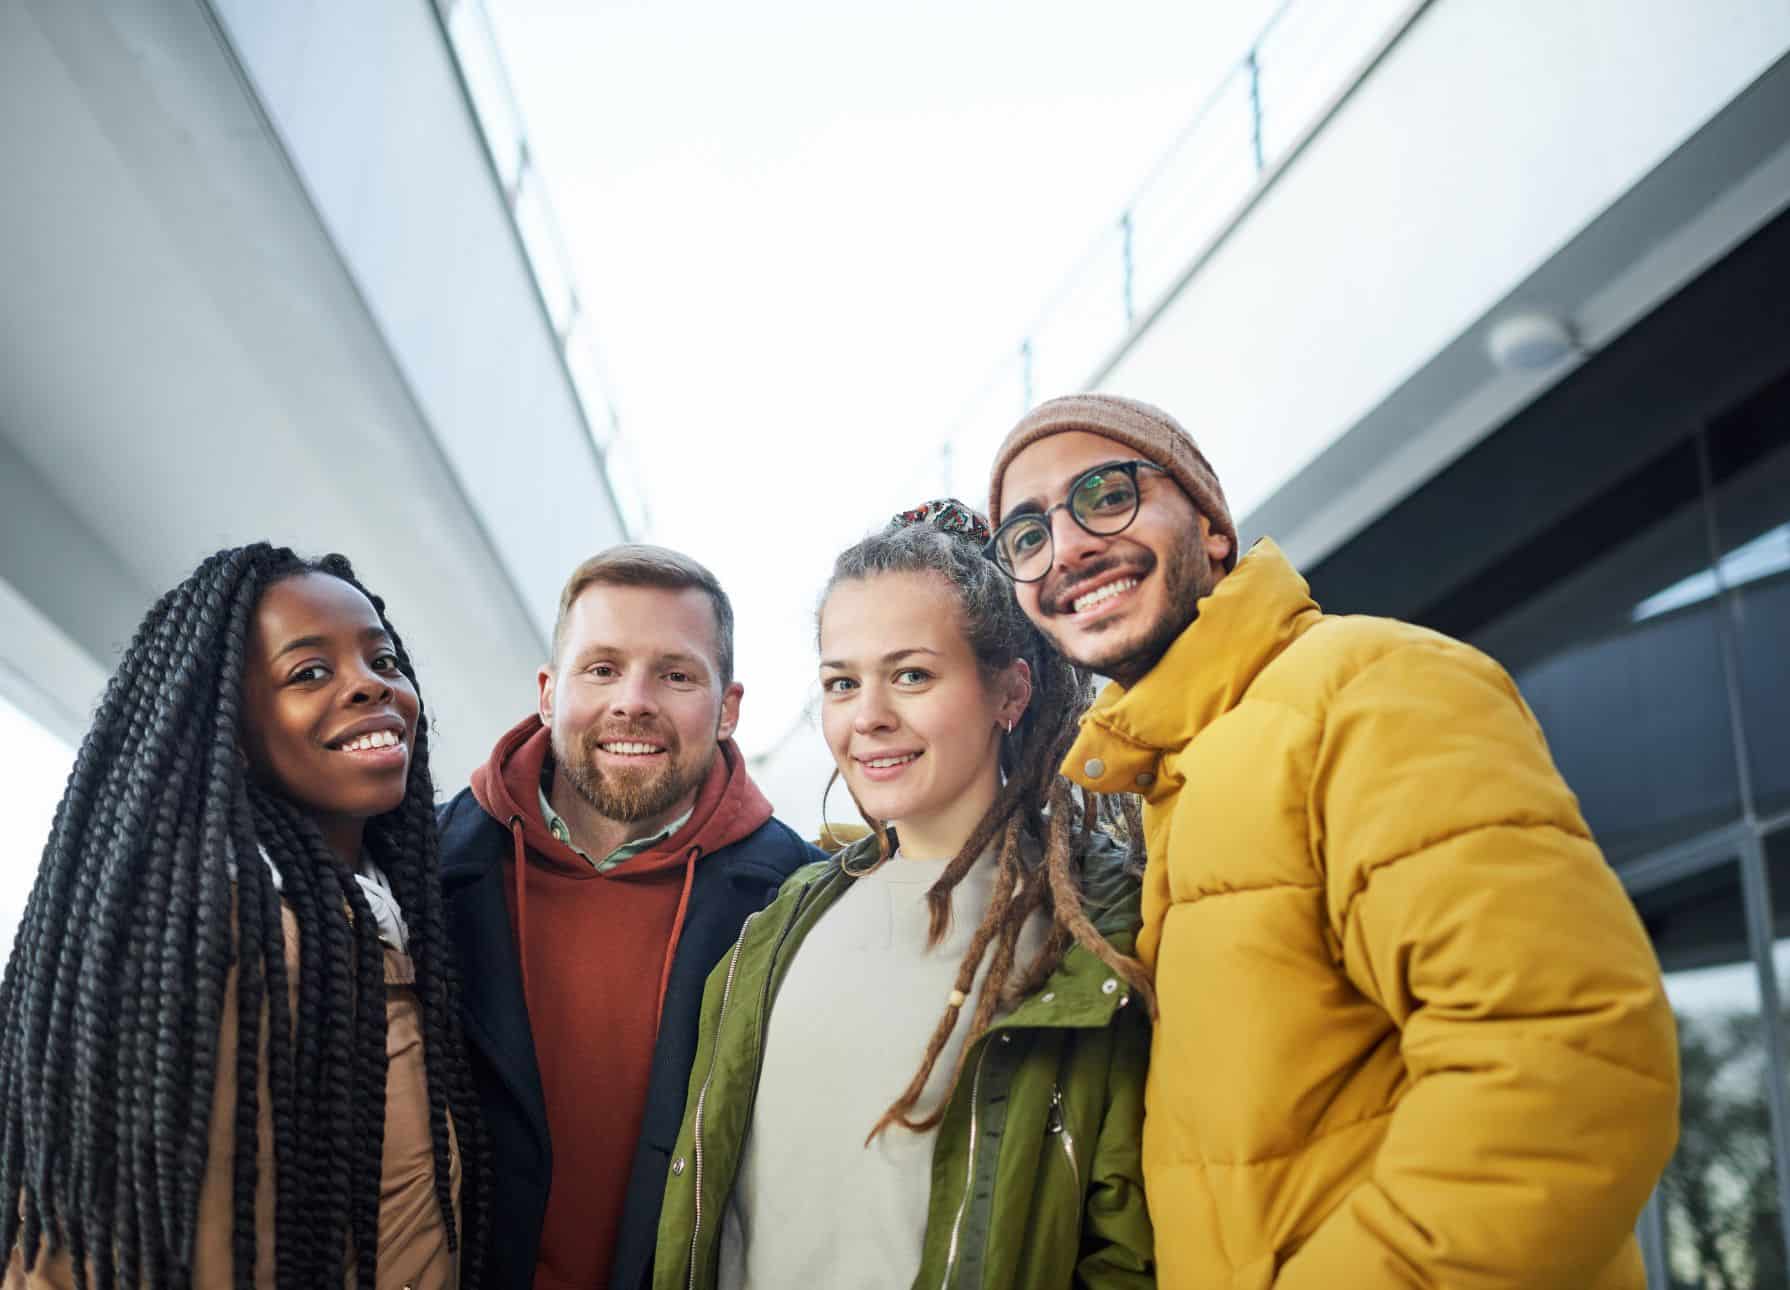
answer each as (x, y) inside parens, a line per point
(1037, 1178)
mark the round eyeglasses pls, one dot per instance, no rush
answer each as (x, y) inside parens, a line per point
(1103, 501)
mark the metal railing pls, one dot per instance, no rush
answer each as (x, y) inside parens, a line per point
(473, 42)
(1291, 78)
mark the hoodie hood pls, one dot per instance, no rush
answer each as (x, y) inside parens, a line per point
(728, 807)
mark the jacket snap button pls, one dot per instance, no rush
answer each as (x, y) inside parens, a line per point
(1006, 1038)
(1095, 768)
(1050, 996)
(677, 1166)
(1108, 986)
(1145, 780)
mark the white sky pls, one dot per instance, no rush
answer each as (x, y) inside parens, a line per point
(37, 766)
(807, 232)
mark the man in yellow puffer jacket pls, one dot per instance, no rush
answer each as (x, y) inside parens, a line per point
(1412, 1032)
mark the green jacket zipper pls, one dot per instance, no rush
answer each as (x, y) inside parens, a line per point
(1058, 1123)
(969, 1178)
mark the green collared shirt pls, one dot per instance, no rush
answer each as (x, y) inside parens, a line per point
(626, 851)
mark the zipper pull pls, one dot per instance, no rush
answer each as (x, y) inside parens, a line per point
(1053, 1123)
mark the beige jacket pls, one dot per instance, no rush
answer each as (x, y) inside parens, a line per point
(413, 1252)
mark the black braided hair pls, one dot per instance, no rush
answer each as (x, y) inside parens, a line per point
(112, 999)
(1035, 824)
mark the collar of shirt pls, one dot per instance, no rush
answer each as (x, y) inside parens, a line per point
(626, 851)
(388, 915)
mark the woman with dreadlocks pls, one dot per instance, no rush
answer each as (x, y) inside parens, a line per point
(923, 1064)
(228, 1045)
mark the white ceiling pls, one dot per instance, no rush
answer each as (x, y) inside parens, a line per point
(185, 364)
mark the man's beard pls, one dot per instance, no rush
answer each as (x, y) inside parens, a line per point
(1187, 575)
(629, 796)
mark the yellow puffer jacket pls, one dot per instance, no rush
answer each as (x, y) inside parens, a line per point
(1412, 1031)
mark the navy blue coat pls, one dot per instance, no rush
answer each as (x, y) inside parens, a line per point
(729, 885)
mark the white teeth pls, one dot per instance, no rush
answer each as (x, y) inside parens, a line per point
(378, 739)
(1101, 595)
(884, 762)
(632, 750)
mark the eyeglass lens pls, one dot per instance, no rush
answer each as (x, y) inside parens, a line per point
(1103, 502)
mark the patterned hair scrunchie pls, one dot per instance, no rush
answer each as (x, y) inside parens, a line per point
(949, 514)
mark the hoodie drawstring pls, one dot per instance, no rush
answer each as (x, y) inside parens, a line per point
(677, 931)
(521, 880)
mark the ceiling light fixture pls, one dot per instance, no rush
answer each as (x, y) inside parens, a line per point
(1529, 342)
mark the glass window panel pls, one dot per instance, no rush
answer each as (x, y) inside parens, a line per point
(534, 217)
(1081, 324)
(1306, 56)
(1777, 871)
(1750, 460)
(475, 48)
(1196, 186)
(1635, 708)
(622, 466)
(976, 435)
(1718, 1199)
(593, 389)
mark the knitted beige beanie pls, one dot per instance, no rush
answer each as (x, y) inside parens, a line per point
(1148, 431)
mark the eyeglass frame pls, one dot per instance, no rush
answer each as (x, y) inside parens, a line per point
(991, 548)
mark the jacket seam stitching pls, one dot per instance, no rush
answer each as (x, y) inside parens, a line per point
(1371, 870)
(1284, 704)
(1438, 648)
(1247, 696)
(1240, 889)
(1272, 1157)
(1587, 1054)
(1106, 726)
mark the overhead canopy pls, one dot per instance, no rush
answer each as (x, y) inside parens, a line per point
(261, 282)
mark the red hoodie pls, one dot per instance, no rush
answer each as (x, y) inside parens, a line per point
(596, 951)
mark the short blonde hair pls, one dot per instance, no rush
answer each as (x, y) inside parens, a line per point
(637, 564)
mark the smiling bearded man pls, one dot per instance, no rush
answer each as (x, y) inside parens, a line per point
(600, 864)
(1411, 1031)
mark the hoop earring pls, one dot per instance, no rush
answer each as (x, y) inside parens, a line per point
(826, 825)
(840, 846)
(1010, 724)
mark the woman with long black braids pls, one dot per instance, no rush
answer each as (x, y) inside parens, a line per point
(246, 848)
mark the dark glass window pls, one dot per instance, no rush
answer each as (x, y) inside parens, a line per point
(1750, 461)
(1630, 692)
(1719, 1195)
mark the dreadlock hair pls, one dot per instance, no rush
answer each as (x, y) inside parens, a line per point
(1035, 819)
(112, 999)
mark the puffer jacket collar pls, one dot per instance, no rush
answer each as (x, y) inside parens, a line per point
(1256, 611)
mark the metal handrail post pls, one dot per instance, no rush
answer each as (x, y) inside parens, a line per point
(1125, 253)
(1253, 65)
